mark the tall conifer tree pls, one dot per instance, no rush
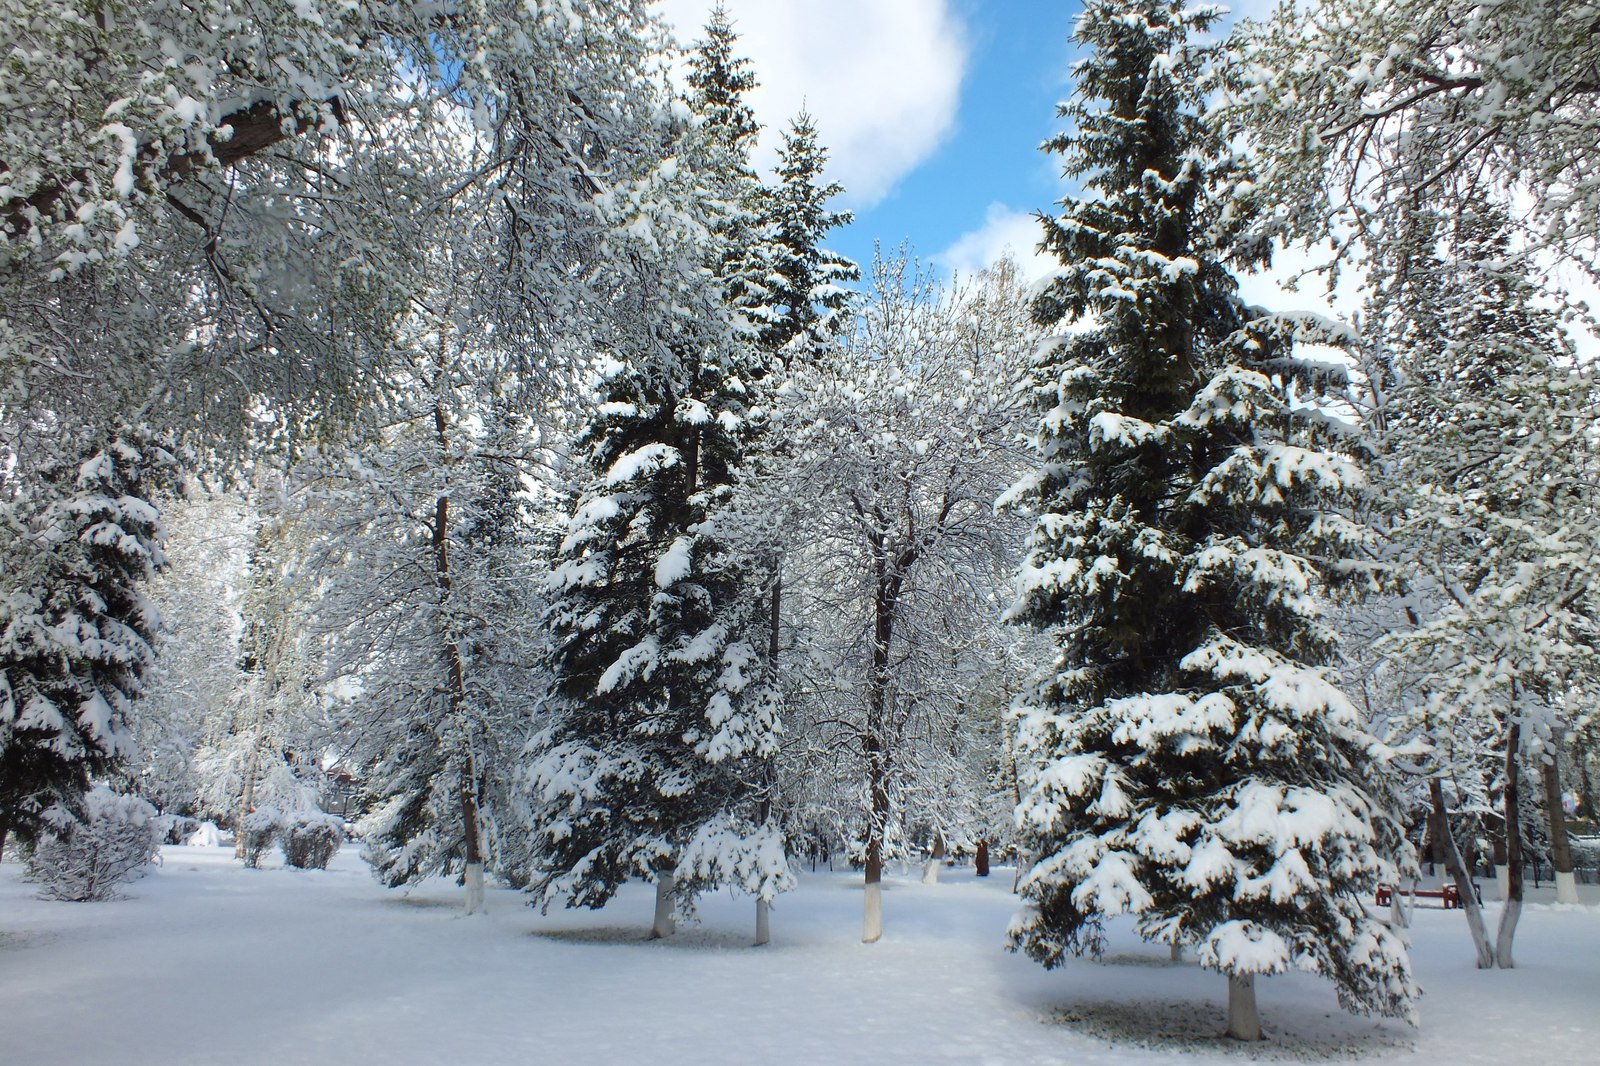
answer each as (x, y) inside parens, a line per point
(663, 711)
(77, 633)
(808, 301)
(1190, 763)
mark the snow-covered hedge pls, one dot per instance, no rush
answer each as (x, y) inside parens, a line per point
(310, 839)
(83, 859)
(259, 831)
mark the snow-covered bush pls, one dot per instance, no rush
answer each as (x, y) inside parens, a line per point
(310, 839)
(258, 831)
(83, 859)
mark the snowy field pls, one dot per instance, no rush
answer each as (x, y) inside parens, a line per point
(205, 962)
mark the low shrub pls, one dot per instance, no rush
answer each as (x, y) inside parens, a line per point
(258, 831)
(310, 839)
(83, 858)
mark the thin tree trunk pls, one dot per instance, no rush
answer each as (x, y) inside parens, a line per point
(1244, 1020)
(930, 869)
(455, 697)
(774, 613)
(1016, 804)
(1497, 855)
(1512, 911)
(5, 834)
(872, 914)
(1560, 846)
(1397, 908)
(456, 685)
(1469, 898)
(247, 798)
(663, 926)
(872, 907)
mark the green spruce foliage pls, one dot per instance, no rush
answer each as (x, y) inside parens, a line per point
(1191, 764)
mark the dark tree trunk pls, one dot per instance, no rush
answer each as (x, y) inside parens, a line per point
(981, 862)
(875, 744)
(1560, 846)
(1436, 832)
(1580, 752)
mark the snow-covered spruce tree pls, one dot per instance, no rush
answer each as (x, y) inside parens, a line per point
(662, 714)
(1489, 463)
(1187, 762)
(807, 301)
(76, 629)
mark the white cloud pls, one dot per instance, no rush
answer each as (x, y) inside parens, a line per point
(882, 78)
(1004, 232)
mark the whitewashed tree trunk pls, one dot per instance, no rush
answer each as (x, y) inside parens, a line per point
(930, 869)
(1244, 1021)
(872, 923)
(1510, 914)
(474, 885)
(1175, 951)
(1502, 881)
(1566, 887)
(763, 927)
(1398, 918)
(1458, 871)
(663, 926)
(1512, 911)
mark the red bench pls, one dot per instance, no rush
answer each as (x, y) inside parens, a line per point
(1447, 895)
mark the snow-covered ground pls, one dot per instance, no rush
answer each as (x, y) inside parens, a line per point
(205, 962)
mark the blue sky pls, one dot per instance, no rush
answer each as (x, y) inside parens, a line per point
(933, 111)
(987, 176)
